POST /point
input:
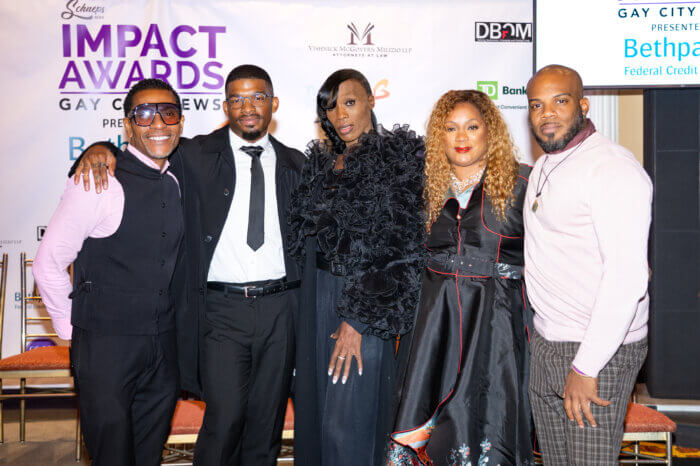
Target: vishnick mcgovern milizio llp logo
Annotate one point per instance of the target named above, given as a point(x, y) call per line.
point(83, 10)
point(502, 32)
point(360, 43)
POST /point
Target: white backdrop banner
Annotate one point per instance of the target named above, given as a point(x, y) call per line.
point(67, 65)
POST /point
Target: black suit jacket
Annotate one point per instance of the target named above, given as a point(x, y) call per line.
point(206, 170)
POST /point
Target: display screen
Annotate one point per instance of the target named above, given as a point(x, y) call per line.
point(621, 43)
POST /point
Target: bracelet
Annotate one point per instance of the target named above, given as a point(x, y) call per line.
point(575, 369)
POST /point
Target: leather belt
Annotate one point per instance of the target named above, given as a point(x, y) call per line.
point(334, 267)
point(469, 264)
point(254, 291)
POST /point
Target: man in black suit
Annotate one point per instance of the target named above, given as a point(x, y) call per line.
point(237, 284)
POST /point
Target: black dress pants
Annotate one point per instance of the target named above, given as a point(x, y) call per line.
point(246, 358)
point(127, 390)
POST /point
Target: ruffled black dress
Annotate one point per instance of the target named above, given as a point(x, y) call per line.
point(464, 398)
point(358, 234)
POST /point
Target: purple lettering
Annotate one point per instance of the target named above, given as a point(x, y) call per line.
point(123, 43)
point(181, 84)
point(212, 31)
point(160, 75)
point(173, 41)
point(65, 32)
point(218, 79)
point(71, 75)
point(104, 73)
point(135, 75)
point(153, 33)
point(103, 37)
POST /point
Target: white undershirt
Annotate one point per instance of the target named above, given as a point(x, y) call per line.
point(234, 261)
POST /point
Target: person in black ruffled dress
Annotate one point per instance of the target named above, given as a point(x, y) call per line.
point(357, 228)
point(463, 400)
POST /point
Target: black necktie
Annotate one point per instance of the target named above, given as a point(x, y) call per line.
point(256, 210)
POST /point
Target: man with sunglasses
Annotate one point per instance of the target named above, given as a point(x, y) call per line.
point(119, 312)
point(235, 336)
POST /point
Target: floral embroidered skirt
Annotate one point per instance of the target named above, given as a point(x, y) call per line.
point(464, 397)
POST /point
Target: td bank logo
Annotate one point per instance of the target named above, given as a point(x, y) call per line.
point(490, 88)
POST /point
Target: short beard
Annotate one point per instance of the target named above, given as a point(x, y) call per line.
point(556, 145)
point(252, 136)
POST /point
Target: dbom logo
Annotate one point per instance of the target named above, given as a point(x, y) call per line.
point(502, 32)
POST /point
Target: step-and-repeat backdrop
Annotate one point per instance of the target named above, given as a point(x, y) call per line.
point(67, 64)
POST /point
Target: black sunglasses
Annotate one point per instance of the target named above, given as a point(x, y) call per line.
point(145, 114)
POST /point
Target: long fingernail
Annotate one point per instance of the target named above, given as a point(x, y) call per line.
point(345, 379)
point(359, 371)
point(335, 379)
point(330, 371)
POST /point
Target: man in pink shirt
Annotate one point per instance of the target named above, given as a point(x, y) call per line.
point(119, 311)
point(587, 215)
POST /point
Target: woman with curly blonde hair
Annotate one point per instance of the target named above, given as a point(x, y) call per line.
point(464, 395)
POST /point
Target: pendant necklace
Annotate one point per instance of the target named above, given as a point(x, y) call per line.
point(459, 186)
point(540, 187)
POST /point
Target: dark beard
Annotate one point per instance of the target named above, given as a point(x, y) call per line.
point(252, 136)
point(550, 146)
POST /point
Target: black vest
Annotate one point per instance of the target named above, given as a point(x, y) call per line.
point(122, 282)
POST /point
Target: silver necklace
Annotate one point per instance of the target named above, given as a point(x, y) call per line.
point(459, 186)
point(540, 187)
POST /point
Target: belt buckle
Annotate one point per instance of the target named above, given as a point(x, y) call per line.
point(245, 291)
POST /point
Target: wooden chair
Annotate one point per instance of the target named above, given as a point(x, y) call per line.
point(187, 420)
point(43, 362)
point(646, 424)
point(287, 451)
point(184, 429)
point(643, 424)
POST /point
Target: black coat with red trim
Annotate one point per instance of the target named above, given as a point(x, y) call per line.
point(479, 229)
point(464, 395)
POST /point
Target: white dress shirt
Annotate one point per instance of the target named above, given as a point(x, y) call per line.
point(234, 261)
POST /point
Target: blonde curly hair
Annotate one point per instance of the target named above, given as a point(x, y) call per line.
point(501, 163)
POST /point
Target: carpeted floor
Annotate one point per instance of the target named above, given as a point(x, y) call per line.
point(51, 436)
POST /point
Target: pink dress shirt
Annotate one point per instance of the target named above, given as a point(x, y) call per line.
point(586, 249)
point(80, 214)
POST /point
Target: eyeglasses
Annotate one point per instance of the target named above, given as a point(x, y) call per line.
point(256, 100)
point(145, 114)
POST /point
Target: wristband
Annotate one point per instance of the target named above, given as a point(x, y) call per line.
point(580, 373)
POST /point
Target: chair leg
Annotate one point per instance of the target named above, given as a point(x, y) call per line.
point(669, 448)
point(78, 439)
point(2, 421)
point(22, 409)
point(636, 452)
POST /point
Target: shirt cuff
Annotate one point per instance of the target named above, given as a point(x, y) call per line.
point(587, 368)
point(64, 330)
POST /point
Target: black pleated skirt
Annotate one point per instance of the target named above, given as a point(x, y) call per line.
point(464, 397)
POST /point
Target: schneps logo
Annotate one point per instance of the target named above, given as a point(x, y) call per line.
point(76, 9)
point(355, 34)
point(490, 88)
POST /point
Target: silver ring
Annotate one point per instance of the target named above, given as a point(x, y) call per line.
point(341, 357)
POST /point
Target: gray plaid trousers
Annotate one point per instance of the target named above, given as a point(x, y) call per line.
point(562, 441)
